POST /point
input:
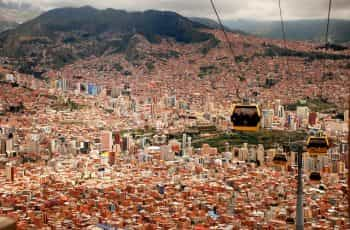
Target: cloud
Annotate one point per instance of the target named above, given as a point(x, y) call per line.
point(229, 9)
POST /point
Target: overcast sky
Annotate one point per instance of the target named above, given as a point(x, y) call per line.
point(229, 9)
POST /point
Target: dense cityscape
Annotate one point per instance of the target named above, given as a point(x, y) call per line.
point(144, 139)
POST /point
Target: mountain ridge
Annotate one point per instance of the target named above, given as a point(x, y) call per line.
point(303, 30)
point(62, 35)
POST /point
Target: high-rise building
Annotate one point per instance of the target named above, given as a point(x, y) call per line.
point(267, 118)
point(309, 164)
point(312, 118)
point(125, 143)
point(252, 157)
point(3, 146)
point(10, 172)
point(260, 154)
point(346, 115)
point(184, 139)
point(303, 115)
point(276, 107)
point(9, 145)
point(106, 141)
point(243, 152)
point(323, 162)
point(341, 167)
point(280, 111)
point(117, 138)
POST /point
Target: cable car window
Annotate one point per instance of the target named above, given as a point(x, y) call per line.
point(245, 116)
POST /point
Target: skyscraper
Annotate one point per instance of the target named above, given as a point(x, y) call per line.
point(267, 118)
point(2, 146)
point(10, 172)
point(303, 115)
point(184, 139)
point(260, 154)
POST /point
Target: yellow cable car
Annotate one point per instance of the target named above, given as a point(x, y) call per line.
point(246, 117)
point(280, 159)
point(317, 145)
point(315, 176)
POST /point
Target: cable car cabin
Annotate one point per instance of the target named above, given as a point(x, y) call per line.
point(315, 176)
point(317, 145)
point(280, 159)
point(246, 118)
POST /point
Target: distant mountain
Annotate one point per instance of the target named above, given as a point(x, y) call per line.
point(311, 30)
point(206, 21)
point(60, 36)
point(4, 25)
point(18, 12)
point(213, 24)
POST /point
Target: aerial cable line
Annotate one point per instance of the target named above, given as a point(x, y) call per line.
point(226, 38)
point(326, 37)
point(328, 20)
point(283, 33)
point(222, 27)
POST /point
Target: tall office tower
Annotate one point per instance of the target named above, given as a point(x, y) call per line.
point(9, 145)
point(303, 115)
point(189, 141)
point(10, 172)
point(346, 115)
point(341, 167)
point(252, 157)
point(184, 139)
point(106, 141)
point(335, 158)
point(323, 162)
point(281, 112)
point(267, 118)
point(276, 106)
point(243, 152)
point(312, 118)
point(125, 143)
point(3, 146)
point(309, 164)
point(260, 154)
